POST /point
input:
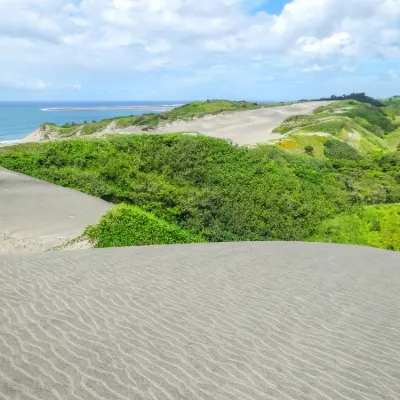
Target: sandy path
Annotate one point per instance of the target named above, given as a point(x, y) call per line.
point(239, 321)
point(35, 215)
point(244, 127)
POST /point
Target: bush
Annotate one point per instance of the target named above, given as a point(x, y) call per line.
point(309, 150)
point(127, 225)
point(376, 226)
point(209, 188)
point(340, 150)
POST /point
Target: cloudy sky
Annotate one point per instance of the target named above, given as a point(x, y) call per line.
point(195, 49)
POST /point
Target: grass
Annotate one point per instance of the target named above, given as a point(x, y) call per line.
point(392, 106)
point(375, 226)
point(90, 129)
point(126, 225)
point(60, 131)
point(208, 188)
point(365, 127)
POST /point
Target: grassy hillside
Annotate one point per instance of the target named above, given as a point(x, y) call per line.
point(209, 188)
point(376, 226)
point(392, 106)
point(150, 121)
point(364, 127)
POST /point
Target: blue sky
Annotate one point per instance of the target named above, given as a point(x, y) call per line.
point(186, 49)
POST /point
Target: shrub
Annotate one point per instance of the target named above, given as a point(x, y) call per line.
point(340, 150)
point(127, 225)
point(309, 150)
point(377, 226)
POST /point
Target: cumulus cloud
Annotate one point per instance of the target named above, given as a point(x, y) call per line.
point(193, 35)
point(318, 68)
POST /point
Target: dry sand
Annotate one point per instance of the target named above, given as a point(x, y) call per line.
point(244, 127)
point(239, 321)
point(36, 216)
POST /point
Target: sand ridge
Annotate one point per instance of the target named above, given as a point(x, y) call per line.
point(248, 127)
point(242, 127)
point(223, 321)
point(36, 216)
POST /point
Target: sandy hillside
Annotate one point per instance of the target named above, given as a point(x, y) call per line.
point(243, 127)
point(36, 215)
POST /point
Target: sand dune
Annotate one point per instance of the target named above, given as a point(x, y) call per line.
point(240, 321)
point(244, 127)
point(35, 215)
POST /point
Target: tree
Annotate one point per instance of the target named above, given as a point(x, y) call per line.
point(309, 150)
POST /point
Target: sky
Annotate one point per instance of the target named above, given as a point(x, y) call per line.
point(270, 50)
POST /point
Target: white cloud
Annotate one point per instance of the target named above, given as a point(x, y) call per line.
point(318, 68)
point(349, 68)
point(83, 35)
point(393, 75)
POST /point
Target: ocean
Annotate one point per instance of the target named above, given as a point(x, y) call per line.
point(19, 119)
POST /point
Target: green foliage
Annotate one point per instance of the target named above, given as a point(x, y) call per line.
point(309, 150)
point(203, 185)
point(360, 97)
point(376, 226)
point(209, 188)
point(90, 129)
point(340, 150)
point(66, 130)
point(334, 127)
point(370, 117)
point(392, 106)
point(126, 225)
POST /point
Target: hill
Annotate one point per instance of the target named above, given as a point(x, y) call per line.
point(347, 127)
point(147, 122)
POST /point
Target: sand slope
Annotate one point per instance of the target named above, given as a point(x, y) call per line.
point(244, 127)
point(239, 321)
point(35, 215)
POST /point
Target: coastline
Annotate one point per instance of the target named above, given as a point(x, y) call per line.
point(112, 108)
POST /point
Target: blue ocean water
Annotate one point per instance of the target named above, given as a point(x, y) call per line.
point(19, 119)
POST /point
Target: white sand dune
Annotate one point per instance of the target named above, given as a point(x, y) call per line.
point(242, 127)
point(238, 321)
point(36, 215)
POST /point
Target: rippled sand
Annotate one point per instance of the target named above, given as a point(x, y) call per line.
point(243, 321)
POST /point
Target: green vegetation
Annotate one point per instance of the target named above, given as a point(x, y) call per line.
point(375, 226)
point(208, 188)
point(392, 106)
point(360, 97)
point(66, 130)
point(128, 225)
point(340, 150)
point(365, 127)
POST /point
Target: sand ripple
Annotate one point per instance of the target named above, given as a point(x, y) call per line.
point(216, 321)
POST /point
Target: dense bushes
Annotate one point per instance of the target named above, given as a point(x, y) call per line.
point(208, 187)
point(361, 97)
point(340, 150)
point(377, 226)
point(127, 225)
point(201, 184)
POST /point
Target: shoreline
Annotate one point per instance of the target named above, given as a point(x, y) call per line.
point(112, 108)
